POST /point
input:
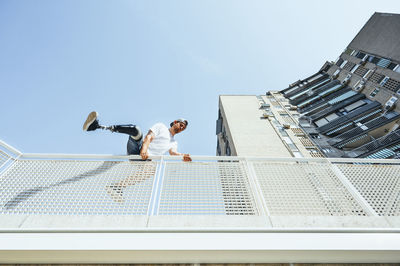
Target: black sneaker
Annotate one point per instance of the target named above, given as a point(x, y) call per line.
point(91, 122)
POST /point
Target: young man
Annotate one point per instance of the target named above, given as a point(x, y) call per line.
point(158, 140)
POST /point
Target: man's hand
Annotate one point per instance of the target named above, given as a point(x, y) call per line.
point(144, 155)
point(149, 138)
point(186, 158)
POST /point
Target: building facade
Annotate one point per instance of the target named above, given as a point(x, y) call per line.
point(347, 109)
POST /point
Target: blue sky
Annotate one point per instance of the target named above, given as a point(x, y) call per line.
point(144, 62)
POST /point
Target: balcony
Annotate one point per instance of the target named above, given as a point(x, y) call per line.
point(62, 208)
point(388, 143)
point(343, 123)
point(360, 133)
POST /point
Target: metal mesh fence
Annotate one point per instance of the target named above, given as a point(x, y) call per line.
point(218, 188)
point(3, 158)
point(116, 186)
point(378, 184)
point(77, 187)
point(308, 189)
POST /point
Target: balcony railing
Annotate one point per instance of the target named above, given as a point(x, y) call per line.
point(61, 184)
point(50, 193)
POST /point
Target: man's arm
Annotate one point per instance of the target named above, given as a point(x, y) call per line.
point(186, 157)
point(146, 142)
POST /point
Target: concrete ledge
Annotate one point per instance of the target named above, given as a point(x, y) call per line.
point(9, 221)
point(201, 221)
point(73, 222)
point(329, 221)
point(394, 221)
point(195, 222)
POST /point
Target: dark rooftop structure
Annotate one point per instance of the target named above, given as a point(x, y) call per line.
point(349, 107)
point(380, 36)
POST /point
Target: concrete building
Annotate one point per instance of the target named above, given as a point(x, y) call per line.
point(347, 109)
point(261, 126)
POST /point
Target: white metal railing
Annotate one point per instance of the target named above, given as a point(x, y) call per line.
point(64, 208)
point(98, 185)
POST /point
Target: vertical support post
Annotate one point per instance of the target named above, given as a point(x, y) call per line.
point(159, 186)
point(256, 189)
point(154, 190)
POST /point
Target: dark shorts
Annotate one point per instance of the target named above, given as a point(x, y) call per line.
point(133, 146)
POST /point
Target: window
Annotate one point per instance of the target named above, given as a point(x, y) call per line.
point(383, 62)
point(348, 51)
point(315, 136)
point(336, 73)
point(384, 81)
point(282, 131)
point(373, 59)
point(374, 92)
point(360, 55)
point(342, 65)
point(392, 66)
point(223, 133)
point(331, 117)
point(355, 105)
point(321, 122)
point(342, 97)
point(227, 149)
point(369, 58)
point(219, 126)
point(338, 61)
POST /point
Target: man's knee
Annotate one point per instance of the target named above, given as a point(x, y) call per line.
point(137, 133)
point(133, 146)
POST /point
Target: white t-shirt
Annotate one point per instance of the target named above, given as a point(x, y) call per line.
point(163, 140)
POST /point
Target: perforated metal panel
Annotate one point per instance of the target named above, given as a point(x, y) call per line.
point(297, 131)
point(206, 188)
point(378, 184)
point(77, 187)
point(392, 85)
point(315, 153)
point(304, 189)
point(376, 77)
point(306, 142)
point(348, 66)
point(38, 184)
point(361, 71)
